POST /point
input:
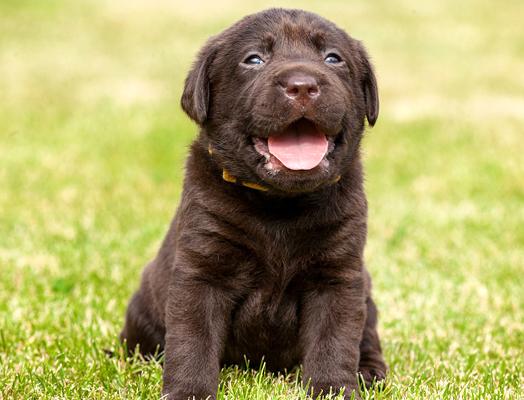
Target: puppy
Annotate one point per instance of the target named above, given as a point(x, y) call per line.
point(264, 257)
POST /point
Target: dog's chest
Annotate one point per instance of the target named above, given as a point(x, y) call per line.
point(270, 309)
point(266, 320)
point(266, 324)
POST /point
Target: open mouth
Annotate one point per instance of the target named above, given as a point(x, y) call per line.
point(301, 146)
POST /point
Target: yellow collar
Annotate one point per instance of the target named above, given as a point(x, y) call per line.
point(232, 179)
point(252, 185)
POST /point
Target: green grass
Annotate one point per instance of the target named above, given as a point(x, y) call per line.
point(92, 145)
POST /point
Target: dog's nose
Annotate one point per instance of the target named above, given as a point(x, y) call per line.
point(300, 87)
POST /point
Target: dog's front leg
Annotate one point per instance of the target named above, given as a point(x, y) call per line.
point(197, 319)
point(332, 323)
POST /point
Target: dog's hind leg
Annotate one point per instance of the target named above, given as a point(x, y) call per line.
point(140, 329)
point(371, 365)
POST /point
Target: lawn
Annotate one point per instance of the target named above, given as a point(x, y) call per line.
point(92, 146)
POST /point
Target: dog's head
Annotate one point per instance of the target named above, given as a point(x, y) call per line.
point(281, 97)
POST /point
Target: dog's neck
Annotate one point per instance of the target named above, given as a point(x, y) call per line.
point(233, 179)
point(226, 176)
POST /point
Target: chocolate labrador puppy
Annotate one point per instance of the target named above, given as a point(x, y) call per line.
point(264, 257)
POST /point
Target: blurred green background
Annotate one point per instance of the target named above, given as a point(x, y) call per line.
point(92, 146)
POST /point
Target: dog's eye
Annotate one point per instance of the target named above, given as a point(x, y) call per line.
point(254, 59)
point(332, 58)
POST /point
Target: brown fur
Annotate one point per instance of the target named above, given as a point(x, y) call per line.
point(276, 274)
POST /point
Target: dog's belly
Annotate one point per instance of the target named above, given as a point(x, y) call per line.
point(265, 326)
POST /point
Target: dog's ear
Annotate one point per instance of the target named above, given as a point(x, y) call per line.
point(197, 92)
point(369, 87)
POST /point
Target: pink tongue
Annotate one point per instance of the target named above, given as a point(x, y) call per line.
point(299, 147)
